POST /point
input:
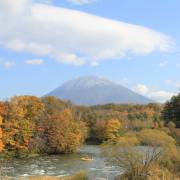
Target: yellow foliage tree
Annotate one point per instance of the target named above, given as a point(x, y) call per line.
point(112, 129)
point(26, 107)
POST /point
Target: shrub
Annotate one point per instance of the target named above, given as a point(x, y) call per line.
point(170, 160)
point(129, 138)
point(138, 162)
point(155, 137)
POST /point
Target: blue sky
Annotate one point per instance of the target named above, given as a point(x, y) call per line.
point(43, 45)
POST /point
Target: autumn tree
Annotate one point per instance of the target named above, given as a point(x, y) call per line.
point(53, 105)
point(63, 133)
point(113, 129)
point(26, 107)
point(34, 125)
point(100, 130)
point(19, 128)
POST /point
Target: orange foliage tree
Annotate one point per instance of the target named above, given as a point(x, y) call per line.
point(34, 125)
point(64, 134)
point(19, 128)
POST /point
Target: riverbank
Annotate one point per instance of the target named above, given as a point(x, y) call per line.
point(78, 176)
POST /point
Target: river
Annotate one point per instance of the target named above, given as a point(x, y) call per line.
point(62, 165)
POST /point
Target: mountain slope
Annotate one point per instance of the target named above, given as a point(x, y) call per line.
point(93, 90)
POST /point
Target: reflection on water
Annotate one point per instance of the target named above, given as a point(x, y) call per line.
point(62, 165)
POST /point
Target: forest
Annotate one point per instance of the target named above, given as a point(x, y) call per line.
point(36, 126)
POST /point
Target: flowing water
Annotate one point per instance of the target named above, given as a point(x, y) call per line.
point(62, 165)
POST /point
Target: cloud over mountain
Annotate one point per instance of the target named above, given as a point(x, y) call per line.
point(157, 95)
point(71, 36)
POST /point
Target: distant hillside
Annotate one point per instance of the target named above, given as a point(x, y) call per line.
point(92, 90)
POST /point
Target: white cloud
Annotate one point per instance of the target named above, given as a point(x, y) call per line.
point(161, 96)
point(7, 64)
point(34, 61)
point(142, 89)
point(70, 59)
point(173, 83)
point(163, 64)
point(157, 95)
point(81, 1)
point(16, 8)
point(94, 63)
point(45, 1)
point(71, 36)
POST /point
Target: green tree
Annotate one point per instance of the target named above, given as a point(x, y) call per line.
point(171, 111)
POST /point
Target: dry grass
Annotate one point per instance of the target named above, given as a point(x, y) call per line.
point(157, 173)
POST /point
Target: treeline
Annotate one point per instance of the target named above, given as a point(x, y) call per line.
point(32, 125)
point(132, 117)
